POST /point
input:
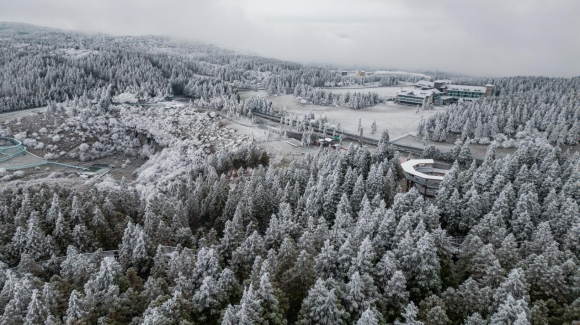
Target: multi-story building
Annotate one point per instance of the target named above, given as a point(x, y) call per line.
point(418, 97)
point(437, 84)
point(441, 85)
point(424, 84)
point(468, 92)
point(444, 92)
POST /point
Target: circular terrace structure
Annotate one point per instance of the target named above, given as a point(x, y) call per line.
point(425, 175)
point(10, 147)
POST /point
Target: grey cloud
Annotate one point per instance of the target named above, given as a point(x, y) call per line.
point(519, 37)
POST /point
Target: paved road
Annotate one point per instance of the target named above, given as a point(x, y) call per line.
point(404, 148)
point(10, 115)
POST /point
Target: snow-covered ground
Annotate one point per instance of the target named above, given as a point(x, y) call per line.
point(264, 134)
point(382, 91)
point(405, 73)
point(74, 53)
point(398, 119)
point(245, 94)
point(8, 116)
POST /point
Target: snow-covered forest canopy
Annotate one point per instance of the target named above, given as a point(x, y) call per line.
point(327, 240)
point(209, 232)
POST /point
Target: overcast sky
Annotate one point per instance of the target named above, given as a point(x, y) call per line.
point(491, 37)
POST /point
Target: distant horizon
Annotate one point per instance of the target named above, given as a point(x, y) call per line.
point(496, 38)
point(427, 72)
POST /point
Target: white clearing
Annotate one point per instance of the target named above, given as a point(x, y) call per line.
point(382, 91)
point(398, 119)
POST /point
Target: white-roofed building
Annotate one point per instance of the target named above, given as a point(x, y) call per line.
point(417, 96)
point(441, 84)
point(441, 92)
point(469, 92)
point(424, 84)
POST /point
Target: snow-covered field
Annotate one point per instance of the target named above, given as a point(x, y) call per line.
point(382, 91)
point(398, 119)
point(398, 72)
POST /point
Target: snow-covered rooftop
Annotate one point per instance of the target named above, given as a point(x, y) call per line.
point(466, 88)
point(424, 83)
point(418, 92)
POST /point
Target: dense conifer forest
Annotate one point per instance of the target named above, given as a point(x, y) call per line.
point(210, 232)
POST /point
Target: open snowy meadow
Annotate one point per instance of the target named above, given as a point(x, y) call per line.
point(387, 92)
point(399, 120)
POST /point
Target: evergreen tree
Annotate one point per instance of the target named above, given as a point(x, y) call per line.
point(270, 312)
point(514, 286)
point(410, 315)
point(395, 293)
point(509, 311)
point(321, 306)
point(76, 311)
point(437, 316)
point(207, 298)
point(369, 317)
point(37, 312)
point(364, 260)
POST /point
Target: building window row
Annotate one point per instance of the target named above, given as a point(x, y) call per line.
point(467, 94)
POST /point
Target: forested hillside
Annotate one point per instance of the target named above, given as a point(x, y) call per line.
point(38, 65)
point(210, 232)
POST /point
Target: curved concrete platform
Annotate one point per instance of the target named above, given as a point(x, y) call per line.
point(413, 168)
point(424, 174)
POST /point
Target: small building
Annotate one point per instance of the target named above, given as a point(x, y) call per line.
point(344, 73)
point(445, 92)
point(362, 73)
